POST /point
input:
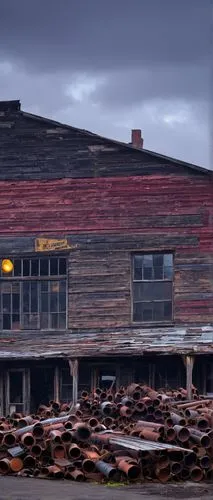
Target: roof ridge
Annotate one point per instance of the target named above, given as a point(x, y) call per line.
point(120, 143)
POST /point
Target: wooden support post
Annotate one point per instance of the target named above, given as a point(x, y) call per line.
point(56, 385)
point(189, 363)
point(73, 364)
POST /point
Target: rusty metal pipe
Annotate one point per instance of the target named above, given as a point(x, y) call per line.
point(81, 431)
point(74, 451)
point(182, 433)
point(163, 474)
point(108, 470)
point(205, 462)
point(28, 439)
point(196, 474)
point(132, 471)
point(88, 465)
point(77, 475)
point(29, 462)
point(177, 419)
point(66, 437)
point(9, 440)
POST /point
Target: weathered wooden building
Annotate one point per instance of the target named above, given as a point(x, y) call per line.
point(112, 251)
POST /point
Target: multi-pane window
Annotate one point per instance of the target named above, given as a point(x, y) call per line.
point(152, 287)
point(33, 296)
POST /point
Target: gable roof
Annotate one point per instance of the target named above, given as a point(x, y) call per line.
point(152, 154)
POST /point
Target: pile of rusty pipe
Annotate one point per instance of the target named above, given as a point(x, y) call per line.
point(133, 433)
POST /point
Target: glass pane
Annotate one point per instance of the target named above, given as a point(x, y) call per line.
point(62, 266)
point(147, 311)
point(54, 302)
point(17, 267)
point(33, 321)
point(26, 320)
point(158, 273)
point(54, 321)
point(62, 321)
point(15, 322)
point(6, 287)
point(34, 296)
point(147, 260)
point(168, 273)
point(152, 291)
point(34, 267)
point(54, 286)
point(26, 296)
point(44, 267)
point(158, 311)
point(44, 302)
point(62, 302)
point(26, 267)
point(54, 267)
point(168, 259)
point(158, 260)
point(44, 321)
point(6, 322)
point(167, 310)
point(6, 302)
point(137, 312)
point(62, 286)
point(15, 302)
point(138, 273)
point(44, 286)
point(147, 273)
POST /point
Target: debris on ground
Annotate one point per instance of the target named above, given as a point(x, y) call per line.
point(135, 434)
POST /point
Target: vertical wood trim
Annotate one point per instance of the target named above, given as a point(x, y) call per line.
point(118, 377)
point(189, 363)
point(7, 392)
point(1, 394)
point(27, 390)
point(73, 364)
point(56, 384)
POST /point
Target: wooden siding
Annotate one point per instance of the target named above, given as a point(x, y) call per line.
point(107, 220)
point(38, 148)
point(109, 201)
point(122, 204)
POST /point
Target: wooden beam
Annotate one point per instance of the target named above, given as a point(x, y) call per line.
point(189, 364)
point(56, 384)
point(73, 364)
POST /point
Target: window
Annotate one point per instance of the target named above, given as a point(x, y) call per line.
point(152, 287)
point(66, 388)
point(33, 296)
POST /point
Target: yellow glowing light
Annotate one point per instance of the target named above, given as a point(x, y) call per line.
point(7, 266)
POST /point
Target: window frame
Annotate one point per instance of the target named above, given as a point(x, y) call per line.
point(151, 252)
point(10, 278)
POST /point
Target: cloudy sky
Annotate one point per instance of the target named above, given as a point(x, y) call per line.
point(112, 65)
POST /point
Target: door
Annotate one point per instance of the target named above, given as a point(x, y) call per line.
point(17, 391)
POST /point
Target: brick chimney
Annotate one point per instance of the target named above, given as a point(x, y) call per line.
point(137, 139)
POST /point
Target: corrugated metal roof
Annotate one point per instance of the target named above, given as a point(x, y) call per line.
point(122, 342)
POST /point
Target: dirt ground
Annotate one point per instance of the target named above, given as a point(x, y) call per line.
point(12, 488)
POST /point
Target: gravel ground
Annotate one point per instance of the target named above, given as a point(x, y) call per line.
point(12, 488)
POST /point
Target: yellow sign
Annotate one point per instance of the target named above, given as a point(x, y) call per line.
point(46, 245)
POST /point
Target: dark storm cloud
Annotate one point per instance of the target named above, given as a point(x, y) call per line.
point(102, 35)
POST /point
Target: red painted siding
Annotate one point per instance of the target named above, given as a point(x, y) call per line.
point(114, 204)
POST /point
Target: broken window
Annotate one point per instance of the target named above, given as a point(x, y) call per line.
point(33, 296)
point(152, 287)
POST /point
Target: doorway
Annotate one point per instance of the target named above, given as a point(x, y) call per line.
point(42, 385)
